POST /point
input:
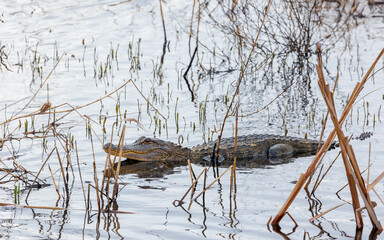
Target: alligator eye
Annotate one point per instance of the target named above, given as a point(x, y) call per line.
point(147, 140)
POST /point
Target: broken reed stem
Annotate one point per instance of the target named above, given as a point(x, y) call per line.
point(210, 185)
point(326, 145)
point(242, 73)
point(46, 160)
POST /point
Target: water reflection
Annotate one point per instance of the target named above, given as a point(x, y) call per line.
point(160, 169)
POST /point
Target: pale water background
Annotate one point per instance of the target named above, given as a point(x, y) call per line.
point(87, 32)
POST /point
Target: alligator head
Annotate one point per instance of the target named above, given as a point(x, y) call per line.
point(148, 149)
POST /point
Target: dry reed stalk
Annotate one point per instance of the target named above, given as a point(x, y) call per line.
point(63, 175)
point(293, 220)
point(9, 105)
point(95, 179)
point(68, 148)
point(17, 178)
point(63, 104)
point(326, 145)
point(320, 141)
point(351, 166)
point(180, 202)
point(317, 183)
point(376, 181)
point(46, 160)
point(116, 184)
point(194, 188)
point(162, 19)
point(377, 195)
point(242, 74)
point(191, 172)
point(210, 185)
point(318, 179)
point(41, 86)
point(191, 26)
point(165, 36)
point(108, 166)
point(328, 210)
point(369, 164)
point(233, 172)
point(81, 178)
point(54, 182)
point(88, 197)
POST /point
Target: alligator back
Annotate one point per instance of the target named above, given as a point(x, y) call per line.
point(257, 146)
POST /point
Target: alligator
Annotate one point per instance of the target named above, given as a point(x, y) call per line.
point(249, 148)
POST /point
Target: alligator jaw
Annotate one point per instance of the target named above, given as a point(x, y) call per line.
point(132, 151)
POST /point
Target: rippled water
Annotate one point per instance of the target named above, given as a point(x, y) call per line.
point(89, 33)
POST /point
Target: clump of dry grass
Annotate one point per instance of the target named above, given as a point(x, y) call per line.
point(355, 180)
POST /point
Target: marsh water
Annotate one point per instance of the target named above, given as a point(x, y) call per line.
point(100, 46)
